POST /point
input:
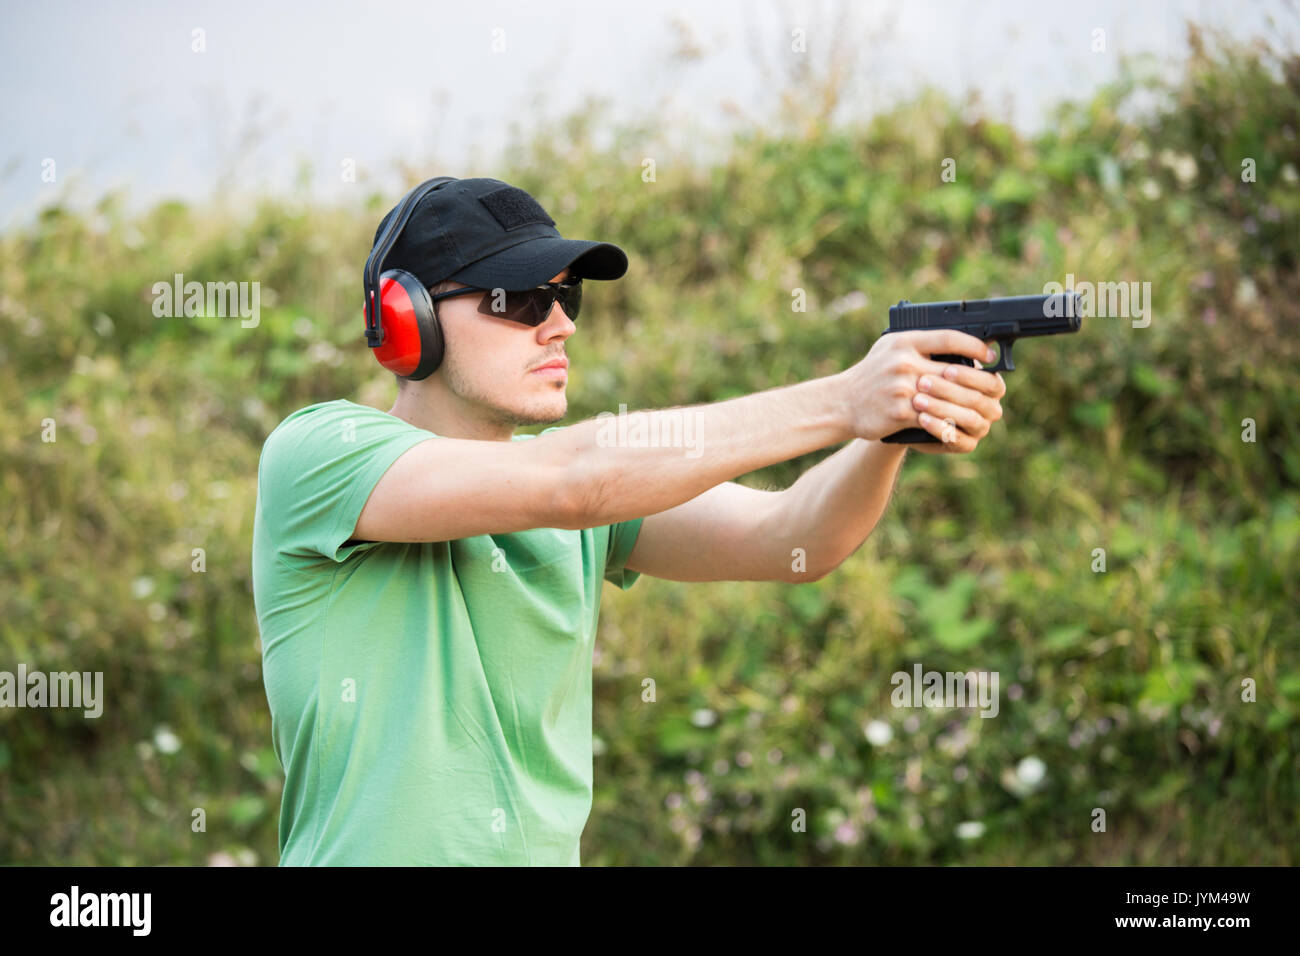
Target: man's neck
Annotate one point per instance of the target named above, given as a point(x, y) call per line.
point(448, 418)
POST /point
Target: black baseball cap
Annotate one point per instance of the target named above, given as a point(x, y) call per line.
point(487, 233)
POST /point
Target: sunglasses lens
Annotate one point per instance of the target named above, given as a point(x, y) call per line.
point(571, 300)
point(512, 305)
point(531, 306)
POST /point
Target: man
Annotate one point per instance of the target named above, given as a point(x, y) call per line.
point(427, 582)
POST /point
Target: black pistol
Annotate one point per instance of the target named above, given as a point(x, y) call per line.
point(1006, 319)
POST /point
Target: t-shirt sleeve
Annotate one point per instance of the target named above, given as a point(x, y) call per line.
point(622, 539)
point(317, 471)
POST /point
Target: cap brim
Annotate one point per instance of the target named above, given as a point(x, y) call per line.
point(536, 261)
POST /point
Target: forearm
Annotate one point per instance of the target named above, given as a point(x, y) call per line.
point(613, 472)
point(832, 508)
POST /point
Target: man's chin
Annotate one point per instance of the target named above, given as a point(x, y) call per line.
point(542, 413)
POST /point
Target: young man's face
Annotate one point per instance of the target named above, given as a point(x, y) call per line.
point(490, 363)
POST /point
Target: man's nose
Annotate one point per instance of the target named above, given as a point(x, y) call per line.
point(564, 325)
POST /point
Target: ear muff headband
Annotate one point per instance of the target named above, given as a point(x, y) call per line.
point(400, 322)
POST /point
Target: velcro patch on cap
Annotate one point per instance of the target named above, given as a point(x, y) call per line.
point(512, 207)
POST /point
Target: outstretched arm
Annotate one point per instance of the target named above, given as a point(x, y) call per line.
point(597, 472)
point(735, 533)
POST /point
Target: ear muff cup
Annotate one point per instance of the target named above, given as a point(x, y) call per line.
point(412, 338)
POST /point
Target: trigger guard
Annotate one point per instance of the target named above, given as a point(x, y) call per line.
point(1004, 357)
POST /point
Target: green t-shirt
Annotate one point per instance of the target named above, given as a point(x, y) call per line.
point(431, 701)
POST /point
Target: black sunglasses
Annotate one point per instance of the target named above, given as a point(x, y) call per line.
point(527, 306)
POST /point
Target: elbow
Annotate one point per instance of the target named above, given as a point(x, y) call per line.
point(566, 509)
point(805, 555)
point(559, 488)
point(816, 570)
point(821, 574)
point(818, 575)
point(575, 502)
point(809, 575)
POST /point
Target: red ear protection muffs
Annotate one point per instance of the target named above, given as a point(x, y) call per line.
point(400, 324)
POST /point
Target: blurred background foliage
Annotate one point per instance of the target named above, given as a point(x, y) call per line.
point(1120, 690)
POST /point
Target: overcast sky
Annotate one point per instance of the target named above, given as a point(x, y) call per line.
point(116, 94)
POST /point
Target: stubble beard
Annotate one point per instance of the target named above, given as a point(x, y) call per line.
point(468, 391)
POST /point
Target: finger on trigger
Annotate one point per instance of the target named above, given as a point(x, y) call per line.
point(975, 349)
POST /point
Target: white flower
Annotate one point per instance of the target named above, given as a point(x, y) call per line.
point(704, 717)
point(970, 830)
point(1031, 771)
point(1247, 293)
point(142, 587)
point(878, 733)
point(1183, 165)
point(166, 741)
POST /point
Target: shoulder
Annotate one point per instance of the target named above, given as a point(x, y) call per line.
point(314, 415)
point(329, 420)
point(328, 433)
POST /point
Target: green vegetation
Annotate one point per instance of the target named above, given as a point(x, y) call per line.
point(1126, 685)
